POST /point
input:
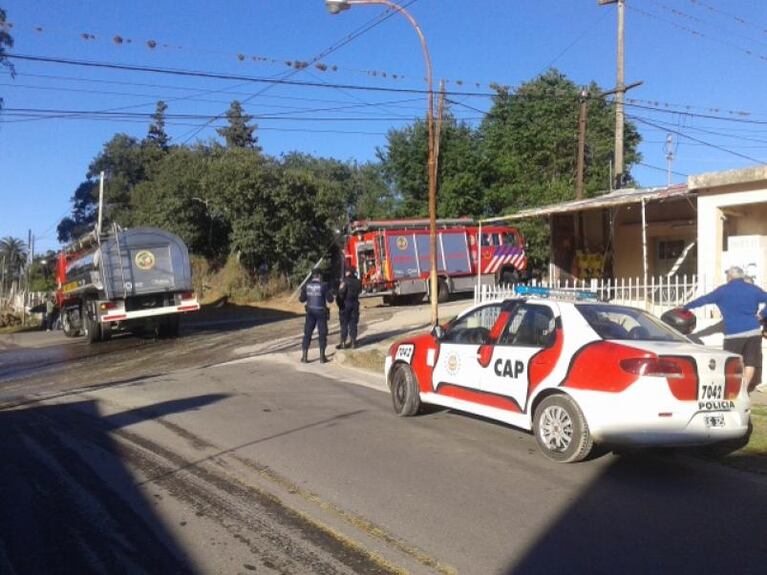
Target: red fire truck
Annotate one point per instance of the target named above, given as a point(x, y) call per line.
point(393, 257)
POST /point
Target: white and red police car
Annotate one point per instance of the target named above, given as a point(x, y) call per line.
point(576, 372)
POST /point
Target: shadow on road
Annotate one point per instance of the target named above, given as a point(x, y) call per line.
point(69, 502)
point(650, 514)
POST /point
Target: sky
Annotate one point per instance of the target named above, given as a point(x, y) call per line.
point(703, 65)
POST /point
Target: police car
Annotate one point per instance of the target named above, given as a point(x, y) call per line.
point(574, 371)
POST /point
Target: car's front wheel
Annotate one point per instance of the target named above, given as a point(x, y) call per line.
point(404, 391)
point(561, 430)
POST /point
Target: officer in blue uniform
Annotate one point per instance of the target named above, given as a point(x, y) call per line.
point(316, 295)
point(349, 308)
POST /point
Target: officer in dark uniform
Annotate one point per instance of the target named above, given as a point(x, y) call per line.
point(316, 295)
point(349, 307)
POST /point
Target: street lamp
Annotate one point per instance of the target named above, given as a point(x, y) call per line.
point(336, 6)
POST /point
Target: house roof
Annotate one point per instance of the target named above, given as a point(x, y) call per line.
point(610, 199)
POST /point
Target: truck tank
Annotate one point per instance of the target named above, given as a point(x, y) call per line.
point(131, 262)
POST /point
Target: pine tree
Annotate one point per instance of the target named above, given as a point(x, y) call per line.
point(239, 133)
point(156, 134)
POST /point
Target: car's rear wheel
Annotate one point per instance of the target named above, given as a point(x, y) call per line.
point(561, 430)
point(404, 391)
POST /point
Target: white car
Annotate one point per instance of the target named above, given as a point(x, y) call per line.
point(575, 373)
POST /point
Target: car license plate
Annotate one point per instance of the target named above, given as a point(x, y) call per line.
point(714, 420)
point(711, 392)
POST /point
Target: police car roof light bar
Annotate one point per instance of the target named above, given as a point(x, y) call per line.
point(556, 293)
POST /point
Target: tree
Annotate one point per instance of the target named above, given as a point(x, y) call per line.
point(84, 212)
point(156, 134)
point(13, 254)
point(174, 199)
point(459, 179)
point(529, 141)
point(374, 198)
point(239, 133)
point(126, 163)
point(529, 144)
point(6, 41)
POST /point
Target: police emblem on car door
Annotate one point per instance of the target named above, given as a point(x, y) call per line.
point(457, 364)
point(530, 329)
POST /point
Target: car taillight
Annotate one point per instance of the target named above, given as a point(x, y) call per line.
point(680, 373)
point(187, 295)
point(652, 367)
point(107, 305)
point(733, 377)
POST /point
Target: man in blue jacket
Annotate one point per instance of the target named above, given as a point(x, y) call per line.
point(316, 295)
point(739, 302)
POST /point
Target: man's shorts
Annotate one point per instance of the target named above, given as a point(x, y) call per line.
point(749, 347)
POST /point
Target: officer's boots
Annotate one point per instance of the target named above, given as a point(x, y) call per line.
point(323, 357)
point(353, 344)
point(341, 345)
point(304, 352)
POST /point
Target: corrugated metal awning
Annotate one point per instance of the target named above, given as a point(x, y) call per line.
point(611, 199)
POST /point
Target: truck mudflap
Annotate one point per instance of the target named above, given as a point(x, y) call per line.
point(113, 311)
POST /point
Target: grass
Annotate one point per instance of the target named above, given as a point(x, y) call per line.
point(372, 359)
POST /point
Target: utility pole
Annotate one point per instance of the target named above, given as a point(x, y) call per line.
point(25, 295)
point(581, 147)
point(619, 94)
point(582, 123)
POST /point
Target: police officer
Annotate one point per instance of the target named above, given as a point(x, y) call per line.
point(316, 295)
point(349, 307)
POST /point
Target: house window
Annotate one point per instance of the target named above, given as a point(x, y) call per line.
point(670, 249)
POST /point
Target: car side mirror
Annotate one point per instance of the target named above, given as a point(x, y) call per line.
point(438, 332)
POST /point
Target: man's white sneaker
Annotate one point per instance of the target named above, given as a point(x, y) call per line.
point(762, 388)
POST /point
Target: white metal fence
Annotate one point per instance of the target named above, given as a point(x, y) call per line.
point(658, 295)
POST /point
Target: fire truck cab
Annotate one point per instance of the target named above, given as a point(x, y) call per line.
point(393, 257)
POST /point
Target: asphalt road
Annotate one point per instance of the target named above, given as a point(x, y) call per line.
point(261, 465)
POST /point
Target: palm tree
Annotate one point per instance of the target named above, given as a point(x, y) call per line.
point(13, 254)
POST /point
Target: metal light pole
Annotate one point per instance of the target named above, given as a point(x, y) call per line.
point(336, 6)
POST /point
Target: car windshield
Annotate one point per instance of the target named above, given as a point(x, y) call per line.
point(626, 323)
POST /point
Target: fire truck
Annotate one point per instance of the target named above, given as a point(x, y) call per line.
point(393, 257)
point(129, 279)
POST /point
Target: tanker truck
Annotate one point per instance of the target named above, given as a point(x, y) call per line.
point(125, 280)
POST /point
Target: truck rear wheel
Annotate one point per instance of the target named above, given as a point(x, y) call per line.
point(92, 328)
point(66, 325)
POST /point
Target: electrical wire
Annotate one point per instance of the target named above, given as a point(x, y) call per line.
point(687, 136)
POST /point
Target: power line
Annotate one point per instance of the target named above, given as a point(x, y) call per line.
point(689, 17)
point(239, 77)
point(736, 18)
point(338, 86)
point(664, 170)
point(687, 136)
point(169, 87)
point(145, 115)
point(373, 22)
point(698, 33)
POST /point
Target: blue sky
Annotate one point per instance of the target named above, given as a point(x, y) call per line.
point(692, 55)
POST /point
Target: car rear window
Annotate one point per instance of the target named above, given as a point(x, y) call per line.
point(626, 323)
